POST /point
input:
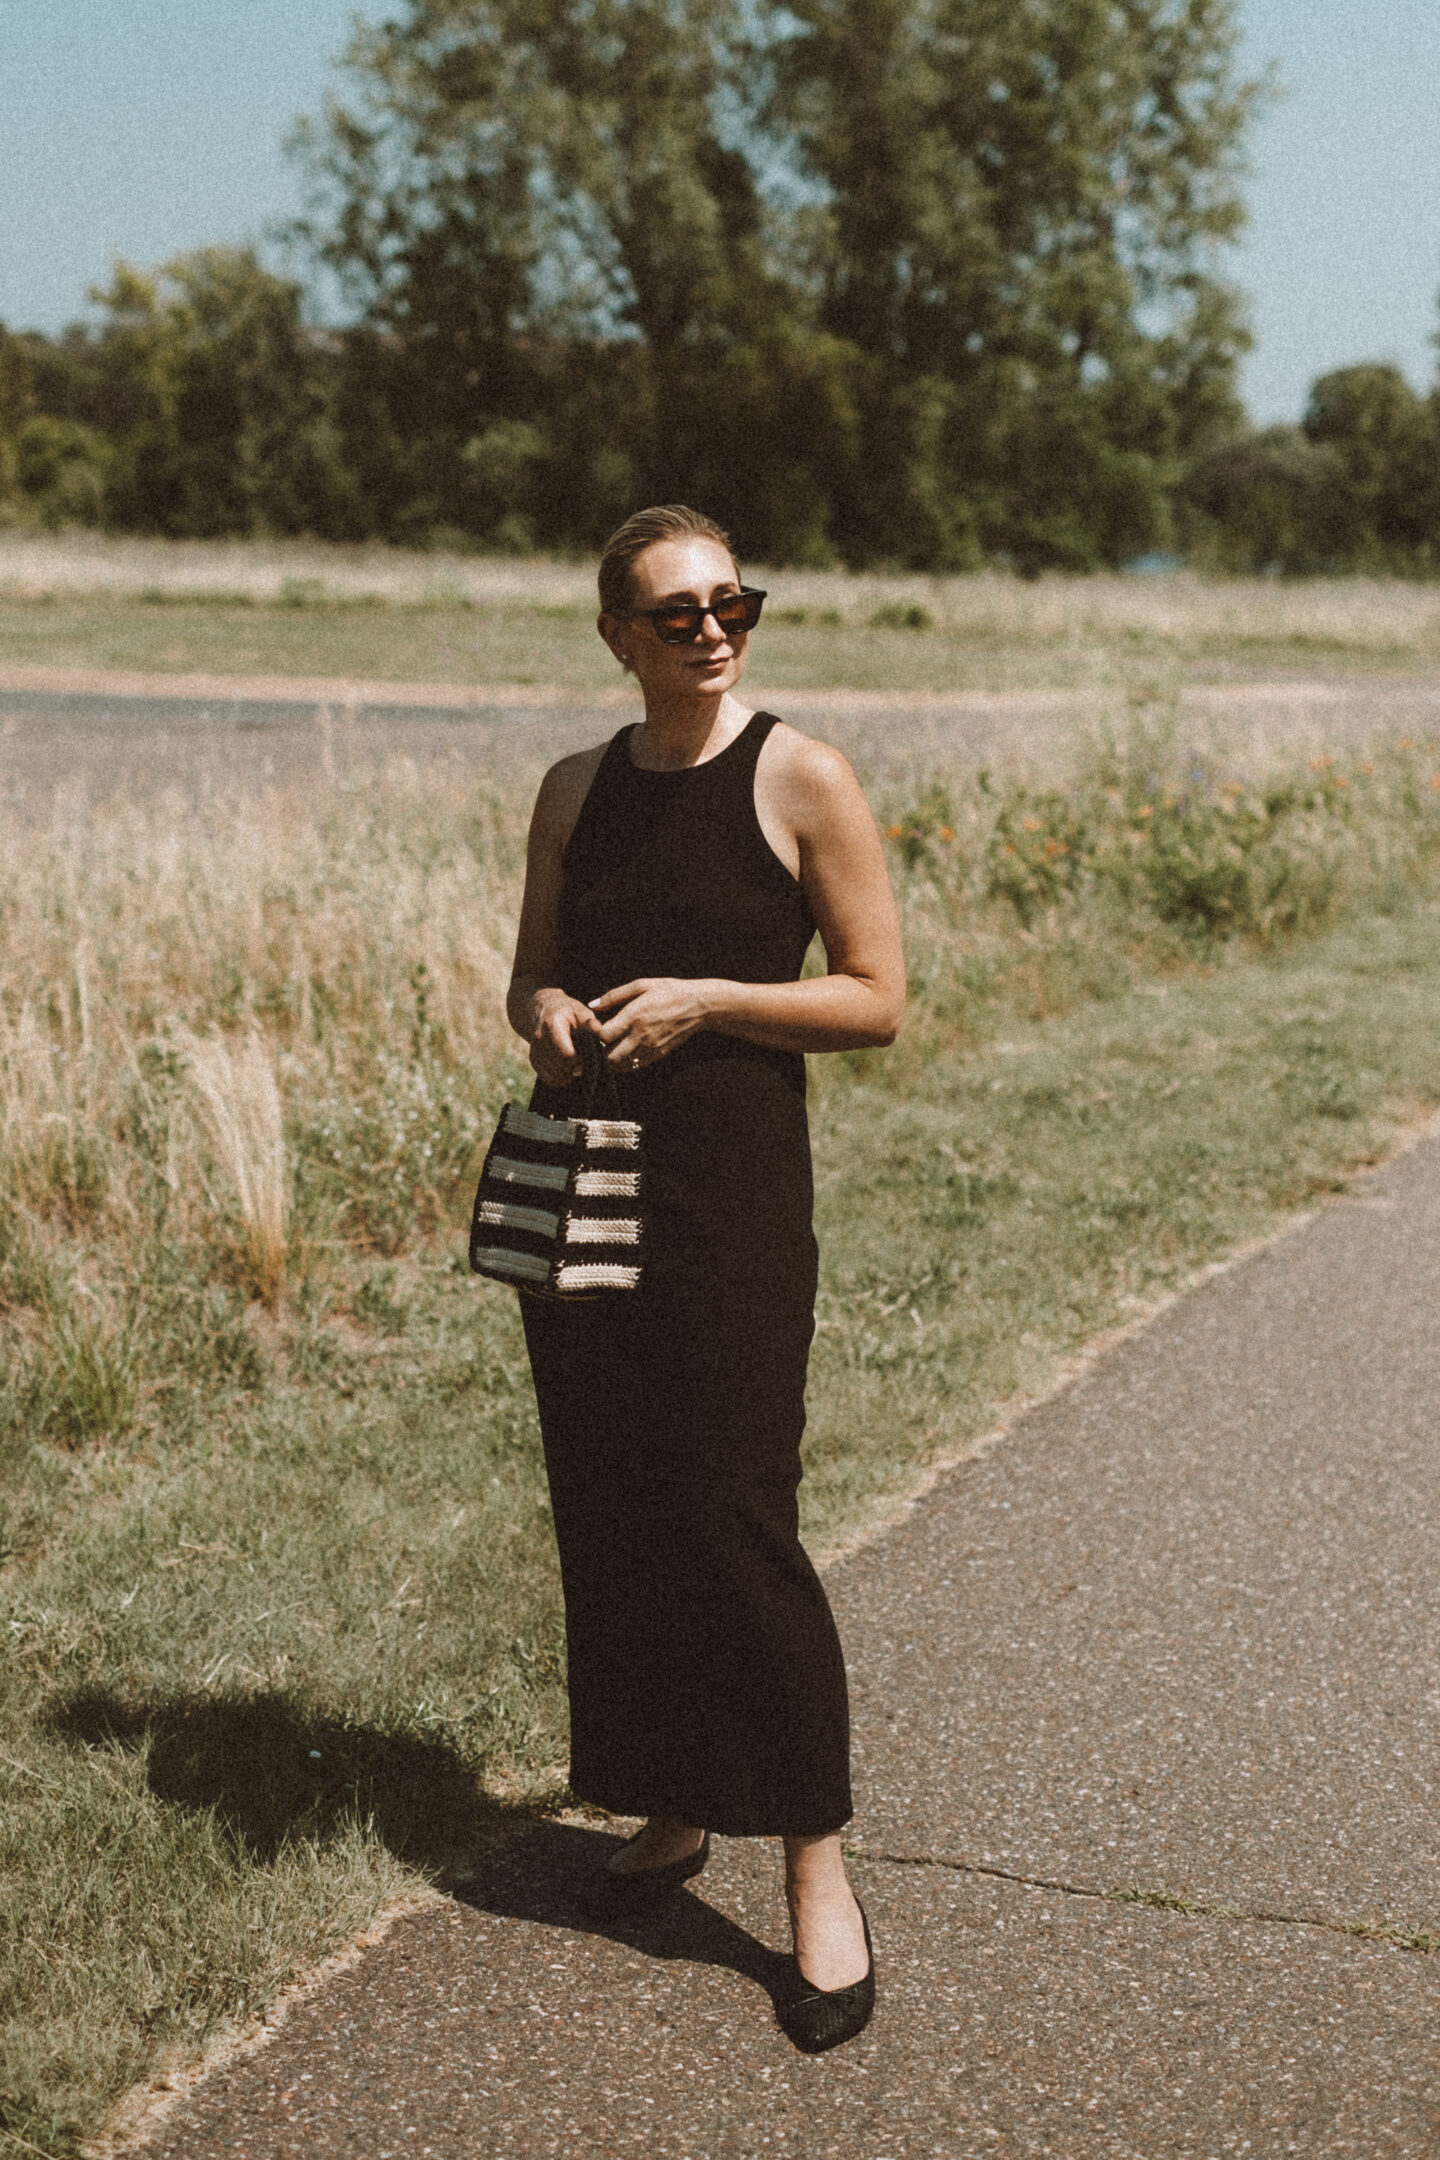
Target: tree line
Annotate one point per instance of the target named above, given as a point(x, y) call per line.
point(932, 283)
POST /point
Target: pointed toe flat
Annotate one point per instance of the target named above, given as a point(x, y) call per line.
point(817, 2019)
point(645, 1888)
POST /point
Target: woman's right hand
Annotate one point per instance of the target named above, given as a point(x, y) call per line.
point(556, 1019)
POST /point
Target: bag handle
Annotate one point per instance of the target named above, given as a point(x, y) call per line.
point(599, 1075)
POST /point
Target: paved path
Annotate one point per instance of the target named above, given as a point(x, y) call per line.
point(134, 733)
point(1175, 1639)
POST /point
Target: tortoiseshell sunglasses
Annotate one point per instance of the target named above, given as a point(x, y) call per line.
point(678, 621)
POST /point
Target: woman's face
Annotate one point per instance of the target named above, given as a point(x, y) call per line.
point(696, 570)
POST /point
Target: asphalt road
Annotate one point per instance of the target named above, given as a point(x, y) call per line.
point(133, 736)
point(1149, 1755)
point(140, 747)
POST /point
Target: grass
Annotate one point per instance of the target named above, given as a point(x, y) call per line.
point(302, 609)
point(493, 643)
point(280, 1588)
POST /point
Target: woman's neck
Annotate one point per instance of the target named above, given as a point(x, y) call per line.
point(687, 731)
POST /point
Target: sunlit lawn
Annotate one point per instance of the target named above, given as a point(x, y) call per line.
point(305, 610)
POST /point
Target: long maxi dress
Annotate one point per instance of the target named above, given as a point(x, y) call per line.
point(706, 1676)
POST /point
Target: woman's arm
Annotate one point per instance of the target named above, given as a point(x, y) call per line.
point(818, 822)
point(543, 1014)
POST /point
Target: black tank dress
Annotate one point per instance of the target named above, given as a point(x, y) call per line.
point(706, 1678)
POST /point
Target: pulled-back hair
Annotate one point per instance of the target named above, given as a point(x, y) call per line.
point(667, 521)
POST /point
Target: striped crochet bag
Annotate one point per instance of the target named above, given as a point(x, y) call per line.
point(558, 1211)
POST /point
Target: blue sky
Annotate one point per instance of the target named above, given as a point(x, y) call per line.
point(143, 127)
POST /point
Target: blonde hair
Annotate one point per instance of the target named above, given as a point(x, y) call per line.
point(667, 521)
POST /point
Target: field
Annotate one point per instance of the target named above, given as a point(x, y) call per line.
point(296, 610)
point(279, 1581)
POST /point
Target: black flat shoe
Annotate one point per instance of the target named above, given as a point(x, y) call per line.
point(817, 2019)
point(647, 1887)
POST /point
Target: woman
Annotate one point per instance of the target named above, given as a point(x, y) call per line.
point(675, 878)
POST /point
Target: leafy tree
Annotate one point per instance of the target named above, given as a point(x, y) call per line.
point(1356, 487)
point(919, 279)
point(1022, 204)
point(62, 471)
point(220, 401)
point(1268, 501)
point(16, 401)
point(515, 187)
point(1386, 508)
point(926, 281)
point(53, 468)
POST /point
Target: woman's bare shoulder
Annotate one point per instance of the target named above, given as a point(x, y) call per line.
point(804, 766)
point(563, 791)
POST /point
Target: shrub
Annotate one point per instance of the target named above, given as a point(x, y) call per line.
point(902, 615)
point(62, 469)
point(1025, 899)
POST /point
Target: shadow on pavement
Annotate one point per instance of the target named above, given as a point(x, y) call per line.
point(274, 1773)
point(550, 1873)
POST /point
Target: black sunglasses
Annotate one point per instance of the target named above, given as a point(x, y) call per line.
point(678, 621)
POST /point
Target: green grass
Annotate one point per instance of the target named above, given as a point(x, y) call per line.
point(800, 647)
point(280, 1596)
point(495, 644)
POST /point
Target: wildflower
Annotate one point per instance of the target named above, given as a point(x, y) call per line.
point(1031, 824)
point(1435, 780)
point(895, 832)
point(1056, 847)
point(947, 832)
point(1318, 764)
point(1146, 810)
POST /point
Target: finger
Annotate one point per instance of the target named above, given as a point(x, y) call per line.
point(575, 1027)
point(620, 1023)
point(620, 996)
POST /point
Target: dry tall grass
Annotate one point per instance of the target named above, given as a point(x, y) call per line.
point(225, 1026)
point(242, 1041)
point(245, 1123)
point(1359, 614)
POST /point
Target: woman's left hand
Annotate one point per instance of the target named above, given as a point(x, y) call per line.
point(644, 1020)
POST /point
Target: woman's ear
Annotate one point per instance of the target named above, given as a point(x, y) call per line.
point(611, 629)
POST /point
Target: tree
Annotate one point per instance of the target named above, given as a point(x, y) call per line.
point(919, 279)
point(17, 397)
point(1386, 509)
point(1023, 203)
point(1268, 501)
point(531, 198)
point(220, 399)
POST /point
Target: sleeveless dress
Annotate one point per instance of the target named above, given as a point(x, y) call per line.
point(705, 1672)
